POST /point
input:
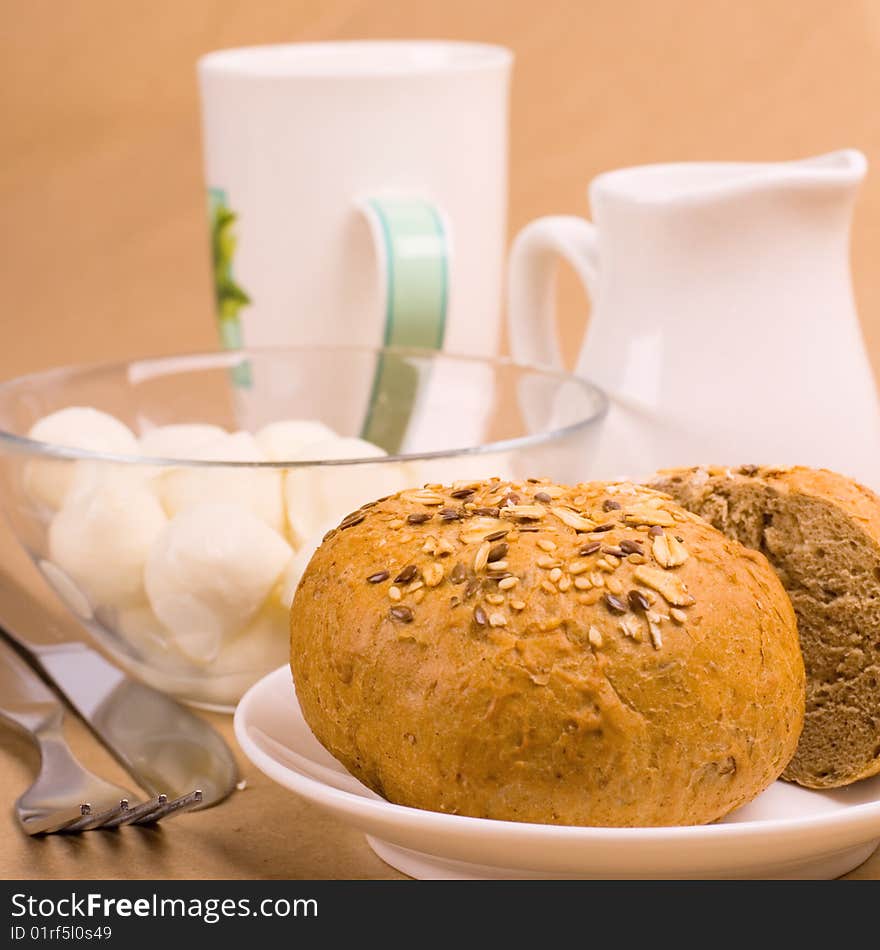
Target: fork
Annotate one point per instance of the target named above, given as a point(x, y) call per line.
point(66, 796)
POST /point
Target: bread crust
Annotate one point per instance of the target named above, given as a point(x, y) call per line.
point(821, 531)
point(540, 699)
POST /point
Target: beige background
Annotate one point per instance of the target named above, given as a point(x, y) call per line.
point(104, 246)
point(105, 254)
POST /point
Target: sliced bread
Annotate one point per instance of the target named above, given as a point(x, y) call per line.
point(821, 533)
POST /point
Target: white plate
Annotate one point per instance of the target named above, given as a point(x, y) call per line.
point(787, 832)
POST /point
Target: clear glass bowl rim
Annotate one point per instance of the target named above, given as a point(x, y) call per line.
point(19, 444)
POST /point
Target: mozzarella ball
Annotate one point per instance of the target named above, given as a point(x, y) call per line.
point(208, 573)
point(320, 494)
point(260, 492)
point(178, 441)
point(262, 646)
point(298, 563)
point(46, 481)
point(101, 539)
point(142, 630)
point(282, 441)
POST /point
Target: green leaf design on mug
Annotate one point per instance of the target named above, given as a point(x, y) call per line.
point(229, 296)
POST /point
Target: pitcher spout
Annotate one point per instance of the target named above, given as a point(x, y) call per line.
point(698, 182)
point(847, 166)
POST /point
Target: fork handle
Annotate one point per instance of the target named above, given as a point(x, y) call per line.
point(25, 699)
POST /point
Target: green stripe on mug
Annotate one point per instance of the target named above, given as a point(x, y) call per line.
point(411, 235)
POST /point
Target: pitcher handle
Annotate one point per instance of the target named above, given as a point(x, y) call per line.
point(531, 283)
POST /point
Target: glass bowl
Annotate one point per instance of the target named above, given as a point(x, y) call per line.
point(175, 509)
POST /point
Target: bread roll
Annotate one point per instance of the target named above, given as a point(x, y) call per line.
point(588, 655)
point(821, 533)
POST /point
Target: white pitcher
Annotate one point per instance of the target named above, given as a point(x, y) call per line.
point(723, 324)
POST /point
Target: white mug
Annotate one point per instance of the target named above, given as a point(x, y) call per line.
point(358, 192)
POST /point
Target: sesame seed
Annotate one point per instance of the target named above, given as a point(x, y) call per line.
point(499, 565)
point(497, 620)
point(546, 562)
point(495, 599)
point(578, 566)
point(433, 574)
point(518, 604)
point(582, 583)
point(401, 613)
point(555, 574)
point(548, 587)
point(419, 596)
point(545, 544)
point(378, 577)
point(507, 582)
point(396, 523)
point(564, 583)
point(612, 560)
point(679, 616)
point(589, 598)
point(614, 585)
point(394, 593)
point(637, 559)
point(595, 637)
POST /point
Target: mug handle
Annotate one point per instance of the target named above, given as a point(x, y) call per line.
point(531, 283)
point(413, 253)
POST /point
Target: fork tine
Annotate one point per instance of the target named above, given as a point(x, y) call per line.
point(137, 812)
point(175, 806)
point(97, 820)
point(55, 820)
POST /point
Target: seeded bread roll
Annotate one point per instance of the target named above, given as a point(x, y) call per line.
point(821, 532)
point(588, 655)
